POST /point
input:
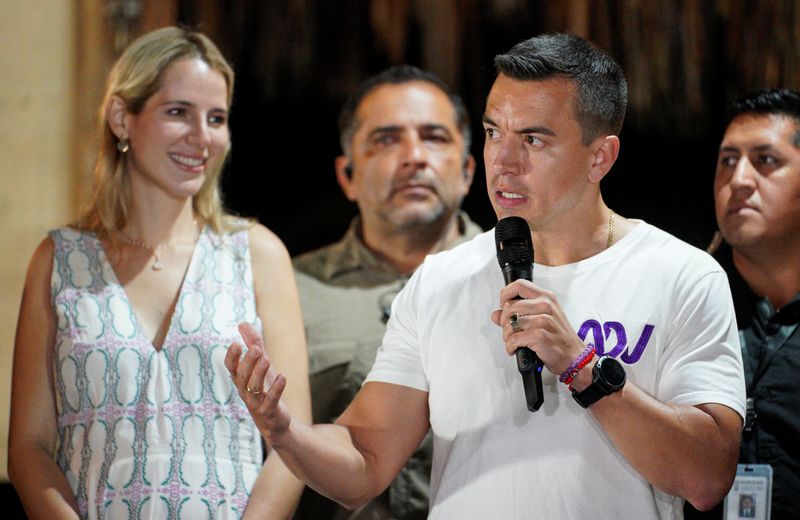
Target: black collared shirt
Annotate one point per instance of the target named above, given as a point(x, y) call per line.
point(771, 356)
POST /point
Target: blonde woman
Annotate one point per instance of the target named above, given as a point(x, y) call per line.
point(121, 405)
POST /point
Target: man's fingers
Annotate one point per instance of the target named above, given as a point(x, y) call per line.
point(274, 393)
point(251, 336)
point(518, 289)
point(246, 366)
point(255, 383)
point(232, 358)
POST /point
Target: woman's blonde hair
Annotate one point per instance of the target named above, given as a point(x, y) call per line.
point(135, 77)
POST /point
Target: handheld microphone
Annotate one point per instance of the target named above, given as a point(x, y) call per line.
point(512, 237)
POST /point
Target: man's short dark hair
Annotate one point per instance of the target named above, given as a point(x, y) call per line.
point(398, 75)
point(602, 95)
point(781, 101)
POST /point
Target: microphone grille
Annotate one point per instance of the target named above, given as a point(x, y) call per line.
point(512, 237)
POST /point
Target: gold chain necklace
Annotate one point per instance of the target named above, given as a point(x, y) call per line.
point(610, 229)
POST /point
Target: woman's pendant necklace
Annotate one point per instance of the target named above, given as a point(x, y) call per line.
point(157, 265)
point(155, 250)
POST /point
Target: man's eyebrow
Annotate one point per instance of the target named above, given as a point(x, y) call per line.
point(536, 130)
point(428, 127)
point(384, 130)
point(542, 130)
point(394, 129)
point(763, 148)
point(757, 148)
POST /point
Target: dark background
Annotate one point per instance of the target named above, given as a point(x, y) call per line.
point(296, 61)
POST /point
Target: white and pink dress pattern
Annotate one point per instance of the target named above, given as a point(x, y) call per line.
point(146, 433)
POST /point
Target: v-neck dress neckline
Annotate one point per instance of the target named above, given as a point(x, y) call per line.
point(114, 279)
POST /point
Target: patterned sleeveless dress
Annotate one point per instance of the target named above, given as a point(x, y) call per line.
point(146, 433)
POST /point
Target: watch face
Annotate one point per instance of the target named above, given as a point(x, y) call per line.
point(612, 371)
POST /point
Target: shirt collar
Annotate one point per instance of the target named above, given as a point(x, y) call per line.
point(354, 255)
point(751, 307)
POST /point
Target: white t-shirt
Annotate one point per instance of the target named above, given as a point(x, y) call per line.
point(660, 306)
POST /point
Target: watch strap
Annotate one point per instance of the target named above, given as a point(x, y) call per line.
point(590, 395)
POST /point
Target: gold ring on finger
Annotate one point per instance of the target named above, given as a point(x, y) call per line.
point(514, 322)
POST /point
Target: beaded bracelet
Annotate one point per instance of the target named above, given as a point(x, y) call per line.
point(569, 380)
point(572, 371)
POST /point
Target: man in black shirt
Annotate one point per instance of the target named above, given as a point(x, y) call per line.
point(757, 199)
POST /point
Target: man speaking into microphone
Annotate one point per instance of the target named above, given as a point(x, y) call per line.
point(642, 389)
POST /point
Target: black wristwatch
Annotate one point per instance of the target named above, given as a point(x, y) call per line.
point(608, 376)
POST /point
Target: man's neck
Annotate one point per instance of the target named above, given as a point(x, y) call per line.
point(565, 240)
point(771, 274)
point(405, 249)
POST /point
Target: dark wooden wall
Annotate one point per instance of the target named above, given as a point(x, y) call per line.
point(296, 61)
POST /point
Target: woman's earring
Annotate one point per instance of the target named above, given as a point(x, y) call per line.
point(123, 145)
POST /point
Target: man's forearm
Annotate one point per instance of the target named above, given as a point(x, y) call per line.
point(682, 450)
point(324, 457)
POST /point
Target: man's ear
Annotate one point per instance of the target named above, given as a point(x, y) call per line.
point(116, 116)
point(468, 173)
point(604, 156)
point(344, 176)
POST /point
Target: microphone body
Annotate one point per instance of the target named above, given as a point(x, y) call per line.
point(515, 256)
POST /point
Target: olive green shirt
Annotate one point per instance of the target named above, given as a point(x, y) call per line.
point(346, 293)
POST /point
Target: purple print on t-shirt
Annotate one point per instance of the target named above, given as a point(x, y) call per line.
point(601, 333)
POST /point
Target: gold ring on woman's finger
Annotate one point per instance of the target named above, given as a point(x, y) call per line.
point(254, 392)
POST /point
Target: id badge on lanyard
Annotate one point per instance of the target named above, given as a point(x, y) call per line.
point(751, 494)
